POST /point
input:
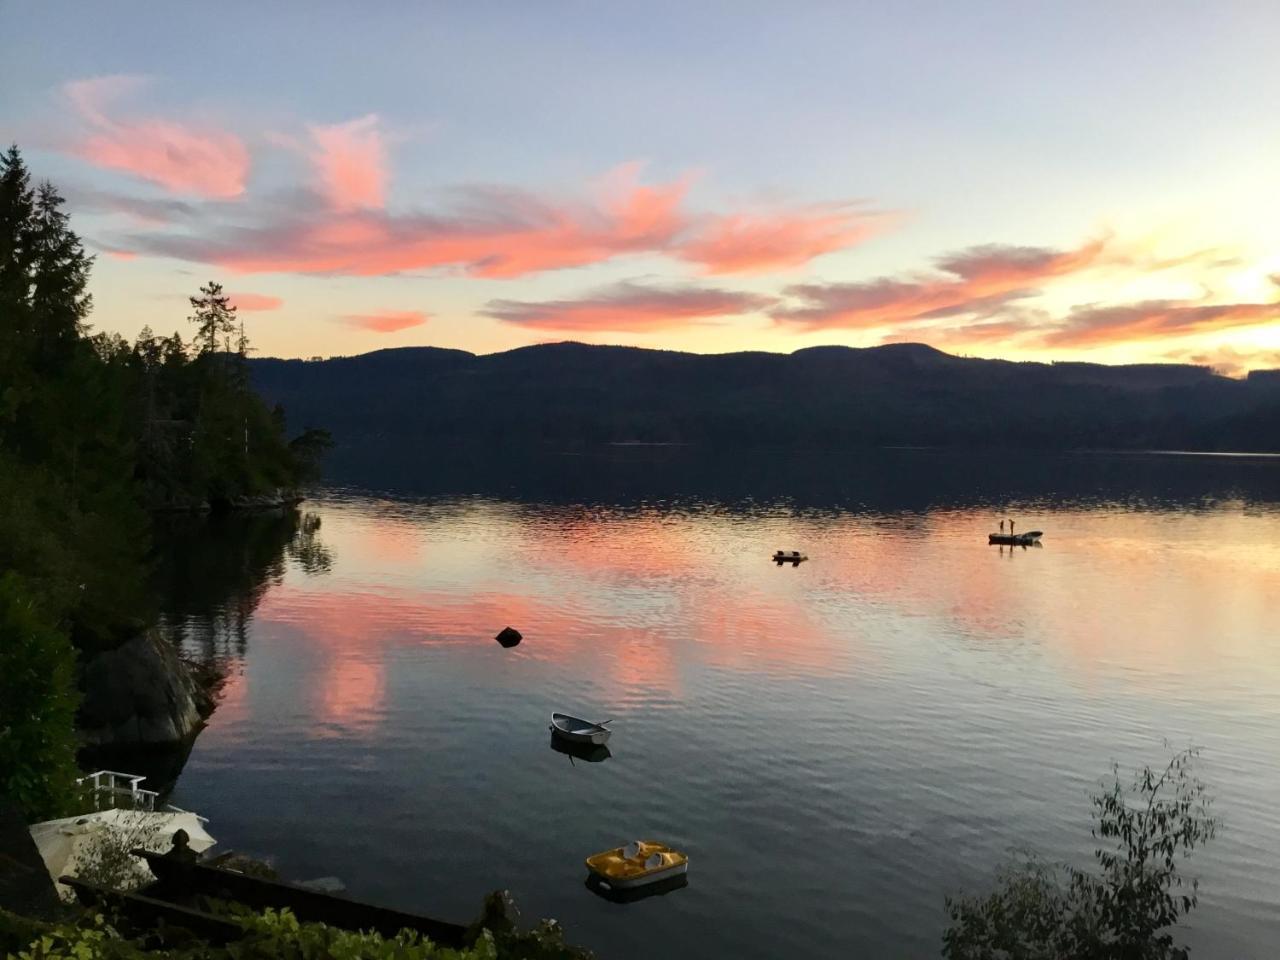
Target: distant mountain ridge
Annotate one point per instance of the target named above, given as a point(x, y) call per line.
point(897, 394)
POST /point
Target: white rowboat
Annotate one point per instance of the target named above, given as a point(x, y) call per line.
point(577, 730)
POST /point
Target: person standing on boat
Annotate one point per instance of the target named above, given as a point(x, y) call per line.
point(1002, 528)
point(1011, 527)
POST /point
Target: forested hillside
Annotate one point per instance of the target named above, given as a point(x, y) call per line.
point(903, 394)
point(95, 433)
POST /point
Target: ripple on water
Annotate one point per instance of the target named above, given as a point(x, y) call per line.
point(838, 746)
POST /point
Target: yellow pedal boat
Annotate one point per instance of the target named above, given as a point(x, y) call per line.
point(638, 863)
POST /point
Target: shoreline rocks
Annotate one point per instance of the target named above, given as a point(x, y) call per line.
point(140, 693)
point(278, 499)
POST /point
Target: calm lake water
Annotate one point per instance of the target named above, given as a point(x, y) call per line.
point(837, 746)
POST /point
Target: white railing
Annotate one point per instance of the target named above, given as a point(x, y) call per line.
point(113, 785)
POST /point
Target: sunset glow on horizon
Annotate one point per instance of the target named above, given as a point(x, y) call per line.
point(1088, 183)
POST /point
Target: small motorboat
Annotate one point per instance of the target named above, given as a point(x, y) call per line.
point(638, 864)
point(788, 556)
point(1016, 539)
point(577, 730)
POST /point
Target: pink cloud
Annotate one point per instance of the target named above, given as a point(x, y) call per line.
point(493, 233)
point(1154, 319)
point(628, 307)
point(178, 157)
point(255, 301)
point(386, 321)
point(977, 280)
point(498, 232)
point(121, 254)
point(784, 240)
point(351, 163)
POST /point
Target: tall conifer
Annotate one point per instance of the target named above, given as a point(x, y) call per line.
point(214, 317)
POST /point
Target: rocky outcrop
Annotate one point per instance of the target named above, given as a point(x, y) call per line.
point(265, 501)
point(140, 693)
point(277, 499)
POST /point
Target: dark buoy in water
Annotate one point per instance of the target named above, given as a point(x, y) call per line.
point(509, 637)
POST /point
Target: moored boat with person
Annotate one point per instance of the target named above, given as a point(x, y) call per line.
point(1016, 539)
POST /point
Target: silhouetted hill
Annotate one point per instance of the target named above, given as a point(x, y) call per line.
point(899, 394)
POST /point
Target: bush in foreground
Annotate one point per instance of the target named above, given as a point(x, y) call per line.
point(274, 934)
point(1124, 910)
point(37, 706)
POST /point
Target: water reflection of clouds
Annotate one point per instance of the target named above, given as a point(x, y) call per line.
point(1147, 594)
point(634, 599)
point(350, 696)
point(352, 635)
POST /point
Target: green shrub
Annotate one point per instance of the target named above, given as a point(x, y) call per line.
point(107, 859)
point(270, 936)
point(1040, 911)
point(275, 933)
point(17, 931)
point(38, 702)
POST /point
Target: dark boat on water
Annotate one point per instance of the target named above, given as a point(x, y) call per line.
point(1027, 539)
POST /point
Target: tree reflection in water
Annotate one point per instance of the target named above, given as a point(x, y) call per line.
point(212, 572)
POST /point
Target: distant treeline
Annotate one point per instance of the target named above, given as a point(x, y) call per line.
point(94, 433)
point(833, 397)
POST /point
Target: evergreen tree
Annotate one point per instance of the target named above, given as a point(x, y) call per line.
point(60, 274)
point(214, 317)
point(17, 207)
point(94, 430)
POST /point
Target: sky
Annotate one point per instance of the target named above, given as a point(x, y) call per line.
point(1084, 181)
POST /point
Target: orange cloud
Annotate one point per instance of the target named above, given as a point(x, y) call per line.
point(178, 157)
point(351, 165)
point(628, 306)
point(1153, 319)
point(966, 335)
point(979, 280)
point(387, 321)
point(121, 254)
point(747, 243)
point(1227, 361)
point(255, 301)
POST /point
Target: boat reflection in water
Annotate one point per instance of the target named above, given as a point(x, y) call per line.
point(590, 752)
point(602, 889)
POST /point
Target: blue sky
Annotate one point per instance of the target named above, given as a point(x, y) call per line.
point(858, 144)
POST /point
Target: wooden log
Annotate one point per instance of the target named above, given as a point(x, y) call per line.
point(183, 880)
